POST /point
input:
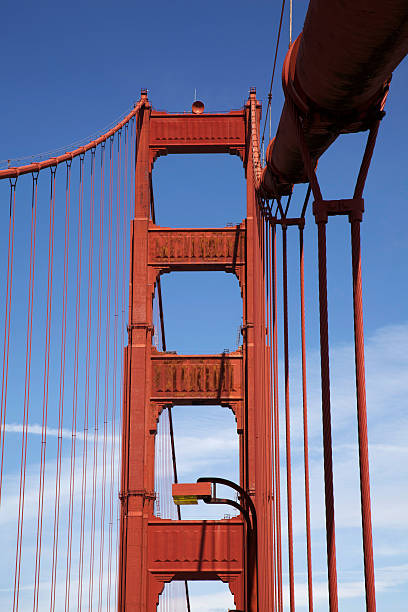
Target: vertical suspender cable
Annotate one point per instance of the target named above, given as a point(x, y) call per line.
point(287, 416)
point(265, 405)
point(45, 392)
point(121, 357)
point(324, 365)
point(276, 421)
point(86, 395)
point(268, 412)
point(305, 427)
point(61, 389)
point(75, 391)
point(97, 379)
point(128, 135)
point(271, 422)
point(27, 366)
point(107, 369)
point(115, 362)
point(362, 417)
point(326, 419)
point(360, 377)
point(7, 319)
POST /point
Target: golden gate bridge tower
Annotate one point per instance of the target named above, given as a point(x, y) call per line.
point(336, 78)
point(153, 550)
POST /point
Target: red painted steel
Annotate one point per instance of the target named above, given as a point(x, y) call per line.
point(195, 550)
point(192, 133)
point(155, 380)
point(69, 155)
point(340, 90)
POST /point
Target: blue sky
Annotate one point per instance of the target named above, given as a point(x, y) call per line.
point(68, 71)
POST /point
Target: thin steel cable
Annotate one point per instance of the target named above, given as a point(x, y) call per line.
point(45, 394)
point(97, 383)
point(87, 382)
point(27, 378)
point(7, 320)
point(61, 389)
point(265, 436)
point(273, 470)
point(114, 377)
point(129, 134)
point(268, 423)
point(268, 108)
point(106, 399)
point(290, 21)
point(305, 425)
point(287, 416)
point(75, 391)
point(276, 420)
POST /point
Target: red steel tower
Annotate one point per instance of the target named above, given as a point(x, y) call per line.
point(154, 551)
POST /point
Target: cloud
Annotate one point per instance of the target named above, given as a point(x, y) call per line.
point(35, 429)
point(206, 441)
point(206, 451)
point(387, 578)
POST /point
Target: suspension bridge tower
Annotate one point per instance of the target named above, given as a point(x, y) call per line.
point(154, 551)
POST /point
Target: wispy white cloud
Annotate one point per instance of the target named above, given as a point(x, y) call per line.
point(204, 445)
point(34, 429)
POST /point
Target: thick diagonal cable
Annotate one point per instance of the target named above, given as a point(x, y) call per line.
point(97, 383)
point(75, 390)
point(27, 379)
point(61, 390)
point(87, 384)
point(107, 370)
point(45, 394)
point(7, 321)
